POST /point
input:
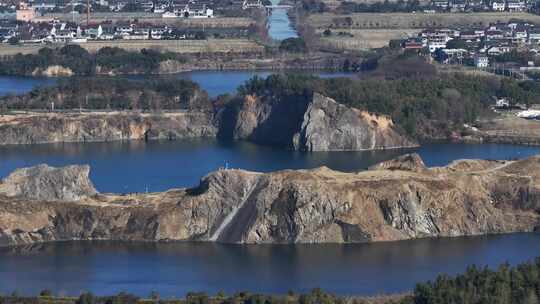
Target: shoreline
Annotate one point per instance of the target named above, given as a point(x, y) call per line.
point(375, 299)
point(22, 247)
point(364, 205)
point(5, 118)
point(270, 68)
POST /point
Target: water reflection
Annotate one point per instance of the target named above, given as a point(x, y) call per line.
point(176, 268)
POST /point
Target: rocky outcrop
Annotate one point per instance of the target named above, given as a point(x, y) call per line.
point(48, 183)
point(297, 206)
point(270, 122)
point(88, 127)
point(318, 124)
point(53, 71)
point(312, 124)
point(408, 162)
point(328, 125)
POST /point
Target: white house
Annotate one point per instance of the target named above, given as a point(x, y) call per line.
point(515, 5)
point(498, 50)
point(534, 36)
point(498, 6)
point(481, 61)
point(502, 103)
point(435, 45)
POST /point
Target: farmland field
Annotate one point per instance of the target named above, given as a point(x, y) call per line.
point(365, 38)
point(411, 20)
point(179, 46)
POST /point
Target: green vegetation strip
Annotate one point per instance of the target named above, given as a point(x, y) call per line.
point(506, 285)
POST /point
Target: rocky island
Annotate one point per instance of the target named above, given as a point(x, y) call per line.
point(395, 200)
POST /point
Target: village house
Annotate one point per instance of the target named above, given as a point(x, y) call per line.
point(25, 13)
point(413, 44)
point(498, 5)
point(521, 32)
point(481, 61)
point(189, 10)
point(458, 5)
point(498, 50)
point(534, 36)
point(471, 35)
point(516, 5)
point(494, 35)
point(455, 54)
point(45, 5)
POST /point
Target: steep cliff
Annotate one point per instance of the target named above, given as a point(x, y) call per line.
point(328, 125)
point(390, 202)
point(48, 183)
point(88, 127)
point(315, 124)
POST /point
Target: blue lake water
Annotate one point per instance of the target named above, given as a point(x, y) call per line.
point(214, 82)
point(176, 268)
point(222, 82)
point(172, 269)
point(18, 85)
point(159, 165)
point(279, 24)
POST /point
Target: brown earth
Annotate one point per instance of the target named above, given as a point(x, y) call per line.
point(293, 206)
point(412, 21)
point(505, 127)
point(179, 46)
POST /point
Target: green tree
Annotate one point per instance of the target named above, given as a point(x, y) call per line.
point(293, 45)
point(45, 293)
point(86, 298)
point(456, 44)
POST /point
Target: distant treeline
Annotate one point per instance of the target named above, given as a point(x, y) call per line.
point(506, 285)
point(381, 7)
point(112, 93)
point(425, 106)
point(347, 7)
point(83, 63)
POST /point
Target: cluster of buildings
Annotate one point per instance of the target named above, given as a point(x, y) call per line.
point(480, 5)
point(34, 9)
point(186, 10)
point(65, 32)
point(455, 45)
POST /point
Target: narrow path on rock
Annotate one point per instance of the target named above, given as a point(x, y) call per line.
point(227, 220)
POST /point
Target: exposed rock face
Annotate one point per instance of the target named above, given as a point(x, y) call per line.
point(321, 124)
point(88, 127)
point(47, 183)
point(271, 122)
point(305, 206)
point(53, 71)
point(328, 125)
point(408, 162)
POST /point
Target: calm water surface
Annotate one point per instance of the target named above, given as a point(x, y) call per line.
point(175, 268)
point(159, 165)
point(221, 82)
point(18, 85)
point(279, 24)
point(214, 82)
